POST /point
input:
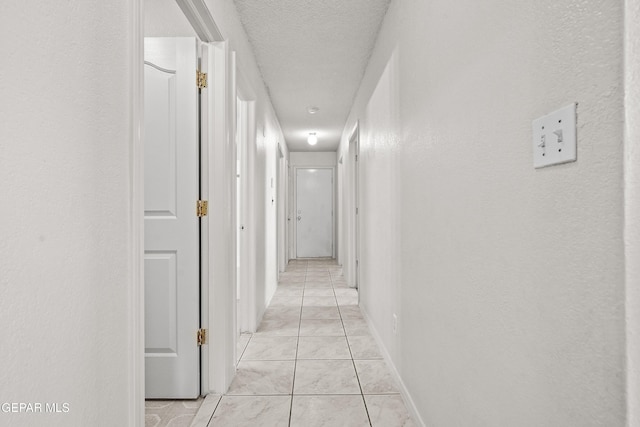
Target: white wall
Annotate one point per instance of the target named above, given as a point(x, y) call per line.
point(164, 18)
point(508, 281)
point(379, 216)
point(632, 202)
point(64, 216)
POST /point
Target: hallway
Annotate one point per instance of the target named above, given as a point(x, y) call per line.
point(314, 346)
point(498, 292)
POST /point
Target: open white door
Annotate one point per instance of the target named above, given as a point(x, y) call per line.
point(172, 255)
point(314, 212)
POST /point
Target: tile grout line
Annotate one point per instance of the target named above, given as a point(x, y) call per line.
point(244, 350)
point(364, 401)
point(214, 410)
point(295, 361)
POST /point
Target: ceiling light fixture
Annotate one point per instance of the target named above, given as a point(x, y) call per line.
point(312, 139)
point(312, 110)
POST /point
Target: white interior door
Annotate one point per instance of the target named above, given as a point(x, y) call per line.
point(172, 282)
point(314, 212)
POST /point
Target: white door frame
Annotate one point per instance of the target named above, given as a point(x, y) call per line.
point(291, 215)
point(294, 206)
point(135, 321)
point(221, 363)
point(285, 218)
point(220, 301)
point(281, 212)
point(353, 271)
point(340, 226)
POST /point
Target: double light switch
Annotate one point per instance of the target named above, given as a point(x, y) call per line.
point(554, 137)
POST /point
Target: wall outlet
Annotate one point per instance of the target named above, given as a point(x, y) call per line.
point(395, 323)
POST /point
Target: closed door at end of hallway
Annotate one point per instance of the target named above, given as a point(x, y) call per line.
point(314, 212)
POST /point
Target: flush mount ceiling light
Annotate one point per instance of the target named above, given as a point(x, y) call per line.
point(312, 139)
point(312, 110)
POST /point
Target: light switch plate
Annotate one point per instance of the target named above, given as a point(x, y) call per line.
point(554, 137)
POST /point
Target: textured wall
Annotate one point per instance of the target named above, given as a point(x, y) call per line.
point(64, 165)
point(164, 18)
point(510, 289)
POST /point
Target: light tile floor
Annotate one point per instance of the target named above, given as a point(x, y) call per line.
point(312, 362)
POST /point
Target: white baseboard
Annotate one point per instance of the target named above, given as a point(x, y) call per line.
point(408, 401)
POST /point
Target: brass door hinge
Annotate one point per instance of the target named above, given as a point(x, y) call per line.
point(201, 79)
point(202, 208)
point(202, 336)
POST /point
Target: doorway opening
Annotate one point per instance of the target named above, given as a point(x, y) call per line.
point(183, 305)
point(245, 142)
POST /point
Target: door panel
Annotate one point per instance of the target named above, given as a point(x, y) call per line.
point(160, 141)
point(314, 213)
point(161, 303)
point(172, 254)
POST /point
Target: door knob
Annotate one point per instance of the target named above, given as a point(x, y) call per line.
point(299, 218)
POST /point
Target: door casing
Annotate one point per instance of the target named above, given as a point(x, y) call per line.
point(219, 294)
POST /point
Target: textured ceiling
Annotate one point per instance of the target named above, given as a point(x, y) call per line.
point(312, 53)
